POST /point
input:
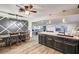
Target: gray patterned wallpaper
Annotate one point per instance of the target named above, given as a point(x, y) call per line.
point(12, 25)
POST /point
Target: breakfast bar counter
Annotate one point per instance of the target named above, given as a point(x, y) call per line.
point(64, 43)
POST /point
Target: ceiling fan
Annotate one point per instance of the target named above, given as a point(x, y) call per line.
point(24, 8)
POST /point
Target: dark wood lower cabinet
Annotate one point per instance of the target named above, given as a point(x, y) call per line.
point(49, 41)
point(59, 46)
point(71, 46)
point(70, 49)
point(63, 45)
point(42, 39)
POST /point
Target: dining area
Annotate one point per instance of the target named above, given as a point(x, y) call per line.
point(13, 31)
point(13, 38)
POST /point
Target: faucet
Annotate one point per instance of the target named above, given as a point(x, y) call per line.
point(64, 31)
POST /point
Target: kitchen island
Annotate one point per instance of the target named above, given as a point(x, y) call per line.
point(64, 43)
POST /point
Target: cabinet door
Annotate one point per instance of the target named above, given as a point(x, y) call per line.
point(43, 39)
point(59, 44)
point(49, 41)
point(40, 40)
point(71, 46)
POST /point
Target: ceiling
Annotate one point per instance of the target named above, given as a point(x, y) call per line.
point(74, 19)
point(43, 10)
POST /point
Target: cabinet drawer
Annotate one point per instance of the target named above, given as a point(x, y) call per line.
point(49, 41)
point(70, 48)
point(59, 46)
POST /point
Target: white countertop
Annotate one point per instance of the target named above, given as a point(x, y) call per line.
point(55, 34)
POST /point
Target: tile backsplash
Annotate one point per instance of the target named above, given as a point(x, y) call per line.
point(8, 25)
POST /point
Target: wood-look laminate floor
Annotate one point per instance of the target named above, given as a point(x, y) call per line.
point(30, 47)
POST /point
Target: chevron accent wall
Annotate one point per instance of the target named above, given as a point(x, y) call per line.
point(12, 25)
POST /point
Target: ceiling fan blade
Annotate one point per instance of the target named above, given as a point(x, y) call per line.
point(11, 14)
point(78, 6)
point(33, 11)
point(18, 6)
point(19, 15)
point(21, 10)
